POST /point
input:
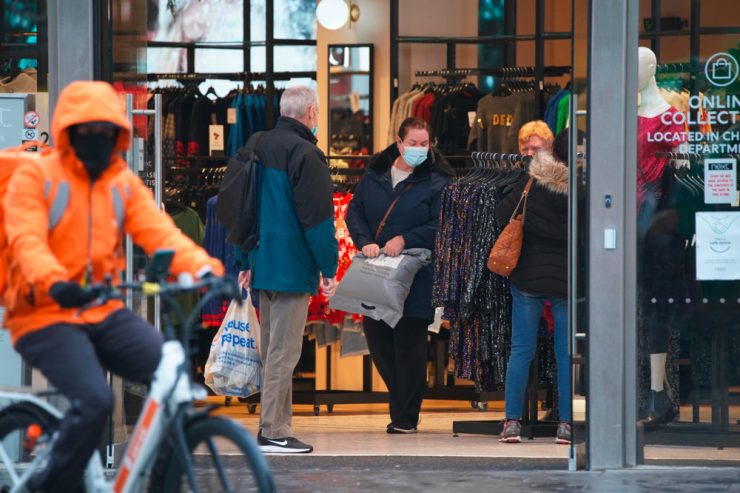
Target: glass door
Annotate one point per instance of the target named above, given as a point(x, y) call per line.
point(688, 232)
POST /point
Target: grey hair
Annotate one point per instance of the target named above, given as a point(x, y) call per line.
point(296, 100)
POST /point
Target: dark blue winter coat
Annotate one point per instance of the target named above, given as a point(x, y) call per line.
point(297, 236)
point(415, 217)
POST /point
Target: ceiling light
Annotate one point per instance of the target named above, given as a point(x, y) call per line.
point(332, 14)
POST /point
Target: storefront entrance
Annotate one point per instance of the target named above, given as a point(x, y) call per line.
point(653, 275)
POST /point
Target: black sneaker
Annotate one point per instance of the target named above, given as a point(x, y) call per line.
point(401, 429)
point(512, 432)
point(285, 445)
point(565, 434)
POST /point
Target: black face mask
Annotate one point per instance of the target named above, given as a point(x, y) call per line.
point(94, 151)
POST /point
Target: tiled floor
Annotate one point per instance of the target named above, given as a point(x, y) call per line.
point(359, 430)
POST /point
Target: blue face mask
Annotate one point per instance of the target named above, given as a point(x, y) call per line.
point(414, 156)
point(314, 131)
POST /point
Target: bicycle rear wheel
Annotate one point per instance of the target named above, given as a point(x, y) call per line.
point(16, 421)
point(225, 457)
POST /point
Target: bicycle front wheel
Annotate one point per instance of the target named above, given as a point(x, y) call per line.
point(225, 457)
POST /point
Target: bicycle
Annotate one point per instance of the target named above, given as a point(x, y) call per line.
point(171, 434)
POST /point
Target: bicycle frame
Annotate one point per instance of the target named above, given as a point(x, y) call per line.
point(171, 388)
point(164, 414)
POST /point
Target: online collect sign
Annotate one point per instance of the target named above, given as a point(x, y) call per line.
point(717, 233)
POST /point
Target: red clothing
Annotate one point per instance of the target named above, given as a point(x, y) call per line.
point(654, 136)
point(422, 107)
point(319, 307)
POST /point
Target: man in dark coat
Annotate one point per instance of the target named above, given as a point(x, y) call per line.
point(297, 245)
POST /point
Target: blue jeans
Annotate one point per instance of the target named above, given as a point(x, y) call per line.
point(526, 313)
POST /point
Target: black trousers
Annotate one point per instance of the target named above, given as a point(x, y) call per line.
point(400, 354)
point(72, 358)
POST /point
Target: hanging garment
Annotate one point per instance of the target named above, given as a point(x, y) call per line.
point(498, 120)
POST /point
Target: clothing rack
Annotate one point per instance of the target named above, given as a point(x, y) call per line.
point(233, 76)
point(680, 155)
point(509, 39)
point(531, 425)
point(674, 68)
point(506, 72)
point(488, 159)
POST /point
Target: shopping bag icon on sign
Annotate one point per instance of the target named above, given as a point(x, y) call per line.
point(722, 70)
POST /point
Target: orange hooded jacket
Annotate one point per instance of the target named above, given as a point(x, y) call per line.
point(59, 223)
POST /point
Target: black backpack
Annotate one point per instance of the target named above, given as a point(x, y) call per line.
point(238, 196)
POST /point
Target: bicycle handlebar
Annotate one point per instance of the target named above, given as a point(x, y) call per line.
point(107, 291)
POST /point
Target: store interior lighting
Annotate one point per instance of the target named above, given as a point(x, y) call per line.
point(333, 14)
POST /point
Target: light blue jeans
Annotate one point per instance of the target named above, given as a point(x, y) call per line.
point(526, 313)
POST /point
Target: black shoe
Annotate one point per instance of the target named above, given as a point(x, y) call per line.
point(660, 410)
point(284, 445)
point(401, 429)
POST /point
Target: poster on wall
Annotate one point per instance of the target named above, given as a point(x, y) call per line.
point(720, 179)
point(717, 246)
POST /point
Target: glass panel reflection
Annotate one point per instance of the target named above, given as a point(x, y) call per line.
point(688, 225)
point(350, 99)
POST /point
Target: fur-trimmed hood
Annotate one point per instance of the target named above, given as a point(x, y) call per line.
point(549, 173)
point(435, 163)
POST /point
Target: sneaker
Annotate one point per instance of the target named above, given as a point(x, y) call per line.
point(401, 429)
point(565, 434)
point(512, 431)
point(285, 445)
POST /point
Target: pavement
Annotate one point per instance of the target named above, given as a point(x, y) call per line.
point(321, 474)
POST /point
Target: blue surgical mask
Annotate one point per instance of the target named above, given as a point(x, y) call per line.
point(314, 131)
point(414, 156)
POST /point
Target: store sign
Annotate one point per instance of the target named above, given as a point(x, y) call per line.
point(718, 111)
point(720, 181)
point(11, 121)
point(717, 246)
point(721, 69)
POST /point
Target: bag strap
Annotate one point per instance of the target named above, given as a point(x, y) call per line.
point(524, 197)
point(390, 209)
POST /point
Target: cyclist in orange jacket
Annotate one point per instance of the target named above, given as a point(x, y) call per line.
point(65, 220)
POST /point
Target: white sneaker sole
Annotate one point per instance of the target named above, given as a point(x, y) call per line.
point(274, 449)
point(561, 441)
point(511, 440)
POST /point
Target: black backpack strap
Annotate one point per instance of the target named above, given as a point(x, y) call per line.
point(252, 142)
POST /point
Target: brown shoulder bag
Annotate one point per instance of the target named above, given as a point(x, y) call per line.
point(508, 247)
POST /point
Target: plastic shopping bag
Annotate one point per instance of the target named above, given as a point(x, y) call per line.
point(378, 288)
point(234, 367)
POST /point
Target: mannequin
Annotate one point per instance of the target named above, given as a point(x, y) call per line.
point(651, 102)
point(651, 107)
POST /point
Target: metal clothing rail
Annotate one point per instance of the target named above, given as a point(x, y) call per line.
point(498, 72)
point(336, 171)
point(482, 159)
point(680, 155)
point(234, 76)
point(675, 68)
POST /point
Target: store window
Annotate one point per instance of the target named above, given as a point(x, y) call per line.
point(688, 230)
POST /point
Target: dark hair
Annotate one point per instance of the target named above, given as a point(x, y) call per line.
point(561, 145)
point(412, 122)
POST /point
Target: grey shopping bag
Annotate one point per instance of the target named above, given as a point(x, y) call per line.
point(377, 288)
